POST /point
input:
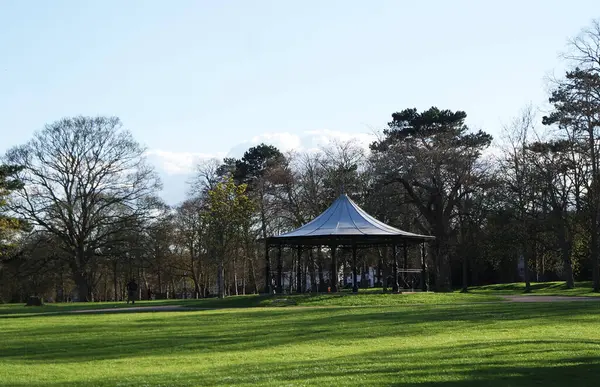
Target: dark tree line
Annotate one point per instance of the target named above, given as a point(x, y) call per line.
point(80, 215)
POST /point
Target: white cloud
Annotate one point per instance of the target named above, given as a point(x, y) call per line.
point(182, 163)
point(179, 163)
point(308, 141)
point(283, 141)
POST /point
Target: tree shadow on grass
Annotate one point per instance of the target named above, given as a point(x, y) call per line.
point(342, 299)
point(87, 338)
point(580, 372)
point(429, 367)
point(556, 288)
point(20, 310)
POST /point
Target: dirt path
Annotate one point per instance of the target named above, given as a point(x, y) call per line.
point(532, 298)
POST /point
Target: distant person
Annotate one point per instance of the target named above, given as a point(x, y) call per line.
point(131, 289)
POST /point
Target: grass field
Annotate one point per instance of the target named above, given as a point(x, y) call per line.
point(410, 339)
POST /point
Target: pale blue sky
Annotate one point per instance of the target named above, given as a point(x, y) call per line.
point(203, 77)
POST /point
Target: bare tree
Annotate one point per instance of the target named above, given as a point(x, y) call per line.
point(584, 49)
point(516, 172)
point(85, 180)
point(208, 174)
point(191, 231)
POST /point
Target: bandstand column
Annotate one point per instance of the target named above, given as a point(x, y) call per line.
point(395, 287)
point(423, 269)
point(405, 268)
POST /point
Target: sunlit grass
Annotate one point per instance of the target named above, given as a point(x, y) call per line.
point(491, 344)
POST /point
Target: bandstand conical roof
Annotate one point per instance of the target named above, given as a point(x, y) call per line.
point(344, 222)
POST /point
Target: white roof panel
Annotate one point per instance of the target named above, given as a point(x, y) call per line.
point(346, 218)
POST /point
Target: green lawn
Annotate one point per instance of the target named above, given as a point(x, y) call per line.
point(460, 343)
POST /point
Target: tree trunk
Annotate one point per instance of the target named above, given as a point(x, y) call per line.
point(80, 276)
point(526, 273)
point(196, 286)
point(442, 263)
point(105, 288)
point(465, 257)
point(235, 278)
point(594, 255)
point(244, 270)
point(62, 297)
point(465, 273)
point(565, 249)
point(83, 287)
point(568, 268)
point(253, 275)
point(146, 284)
point(207, 280)
point(221, 279)
point(194, 271)
point(595, 200)
point(116, 280)
point(160, 284)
